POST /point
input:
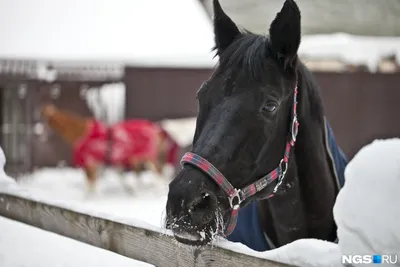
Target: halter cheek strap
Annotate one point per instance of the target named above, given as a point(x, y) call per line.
point(237, 196)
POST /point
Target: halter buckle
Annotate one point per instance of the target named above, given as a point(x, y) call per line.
point(233, 197)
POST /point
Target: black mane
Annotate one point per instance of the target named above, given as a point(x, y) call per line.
point(247, 56)
point(247, 59)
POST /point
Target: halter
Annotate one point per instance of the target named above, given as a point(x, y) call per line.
point(237, 196)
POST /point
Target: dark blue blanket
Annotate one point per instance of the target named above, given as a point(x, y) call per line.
point(248, 230)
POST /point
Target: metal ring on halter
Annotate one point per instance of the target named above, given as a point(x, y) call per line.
point(294, 129)
point(285, 165)
point(282, 175)
point(234, 196)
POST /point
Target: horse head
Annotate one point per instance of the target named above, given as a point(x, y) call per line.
point(67, 124)
point(245, 127)
point(48, 110)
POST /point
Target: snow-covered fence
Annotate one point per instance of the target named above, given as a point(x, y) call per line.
point(143, 243)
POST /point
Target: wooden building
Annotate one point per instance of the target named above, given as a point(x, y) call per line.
point(54, 51)
point(24, 87)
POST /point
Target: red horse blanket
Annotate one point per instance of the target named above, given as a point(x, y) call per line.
point(122, 143)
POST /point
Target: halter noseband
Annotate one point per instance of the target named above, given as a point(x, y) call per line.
point(237, 196)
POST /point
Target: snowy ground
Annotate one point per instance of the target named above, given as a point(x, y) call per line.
point(350, 48)
point(360, 231)
point(69, 185)
point(25, 246)
point(29, 246)
point(147, 203)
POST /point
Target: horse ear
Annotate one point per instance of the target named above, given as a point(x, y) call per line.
point(285, 33)
point(225, 30)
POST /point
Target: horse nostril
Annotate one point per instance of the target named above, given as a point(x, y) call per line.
point(202, 207)
point(202, 202)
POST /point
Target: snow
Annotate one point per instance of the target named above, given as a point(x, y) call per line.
point(303, 252)
point(365, 212)
point(367, 209)
point(107, 102)
point(66, 187)
point(143, 33)
point(351, 49)
point(28, 246)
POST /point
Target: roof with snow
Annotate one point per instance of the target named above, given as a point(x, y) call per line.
point(359, 17)
point(335, 34)
point(368, 51)
point(133, 32)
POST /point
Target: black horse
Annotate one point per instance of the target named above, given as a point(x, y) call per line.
point(264, 169)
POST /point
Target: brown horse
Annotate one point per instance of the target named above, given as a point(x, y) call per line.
point(134, 144)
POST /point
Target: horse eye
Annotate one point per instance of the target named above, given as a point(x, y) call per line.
point(270, 107)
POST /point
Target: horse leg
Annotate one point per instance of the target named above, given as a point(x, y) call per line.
point(162, 150)
point(150, 165)
point(120, 170)
point(125, 186)
point(162, 153)
point(137, 168)
point(91, 175)
point(154, 167)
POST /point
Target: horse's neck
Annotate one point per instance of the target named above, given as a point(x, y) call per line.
point(70, 127)
point(282, 216)
point(304, 206)
point(313, 163)
point(316, 179)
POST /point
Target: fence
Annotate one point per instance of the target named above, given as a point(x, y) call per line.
point(146, 244)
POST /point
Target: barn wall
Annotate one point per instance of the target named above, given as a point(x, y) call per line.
point(36, 144)
point(159, 93)
point(360, 106)
point(15, 137)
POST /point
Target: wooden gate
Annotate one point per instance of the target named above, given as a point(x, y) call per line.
point(16, 127)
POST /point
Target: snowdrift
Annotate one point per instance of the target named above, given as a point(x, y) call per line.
point(367, 209)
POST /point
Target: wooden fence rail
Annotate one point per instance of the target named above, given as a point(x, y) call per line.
point(134, 242)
